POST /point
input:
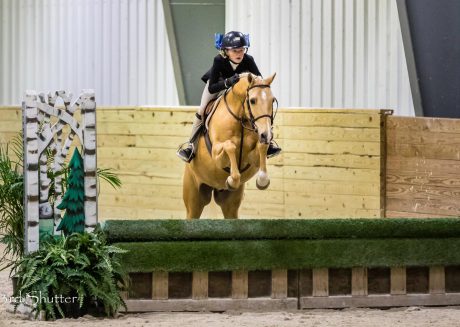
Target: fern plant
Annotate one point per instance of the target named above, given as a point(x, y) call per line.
point(81, 268)
point(11, 202)
point(12, 196)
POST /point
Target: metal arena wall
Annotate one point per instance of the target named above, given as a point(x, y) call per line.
point(330, 53)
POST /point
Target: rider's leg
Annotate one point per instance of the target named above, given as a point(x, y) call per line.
point(188, 152)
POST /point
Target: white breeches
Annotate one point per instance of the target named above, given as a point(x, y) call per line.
point(205, 98)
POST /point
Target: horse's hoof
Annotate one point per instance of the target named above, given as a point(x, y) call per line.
point(229, 187)
point(262, 187)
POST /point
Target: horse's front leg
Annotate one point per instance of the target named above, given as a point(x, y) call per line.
point(222, 153)
point(262, 181)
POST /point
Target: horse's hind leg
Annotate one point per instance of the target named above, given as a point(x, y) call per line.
point(195, 198)
point(230, 202)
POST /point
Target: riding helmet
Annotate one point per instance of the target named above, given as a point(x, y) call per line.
point(234, 40)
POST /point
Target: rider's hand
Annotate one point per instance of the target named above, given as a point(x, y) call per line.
point(232, 80)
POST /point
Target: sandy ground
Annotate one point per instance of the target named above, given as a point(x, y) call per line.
point(413, 316)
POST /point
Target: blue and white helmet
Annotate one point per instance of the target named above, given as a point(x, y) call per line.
point(232, 40)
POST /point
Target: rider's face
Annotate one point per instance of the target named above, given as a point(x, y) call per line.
point(236, 55)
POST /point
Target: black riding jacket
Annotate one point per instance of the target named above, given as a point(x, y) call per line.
point(222, 69)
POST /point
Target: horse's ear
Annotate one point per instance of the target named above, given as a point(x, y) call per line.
point(270, 79)
point(251, 79)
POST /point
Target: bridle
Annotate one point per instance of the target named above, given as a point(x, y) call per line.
point(252, 119)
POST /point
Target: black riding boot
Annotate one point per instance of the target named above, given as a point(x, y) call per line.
point(273, 150)
point(188, 152)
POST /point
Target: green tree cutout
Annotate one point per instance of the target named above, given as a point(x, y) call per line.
point(74, 198)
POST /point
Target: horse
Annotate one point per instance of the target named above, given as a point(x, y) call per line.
point(239, 133)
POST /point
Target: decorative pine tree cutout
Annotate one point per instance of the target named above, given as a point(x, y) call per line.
point(74, 198)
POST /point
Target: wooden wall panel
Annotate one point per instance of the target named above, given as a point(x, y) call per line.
point(330, 166)
point(423, 167)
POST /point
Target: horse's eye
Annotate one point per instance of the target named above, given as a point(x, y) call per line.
point(253, 101)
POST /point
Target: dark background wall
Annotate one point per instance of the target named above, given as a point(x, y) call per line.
point(193, 26)
point(435, 32)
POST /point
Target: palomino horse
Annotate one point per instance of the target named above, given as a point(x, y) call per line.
point(240, 131)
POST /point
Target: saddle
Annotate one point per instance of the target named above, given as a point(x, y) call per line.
point(207, 115)
point(209, 111)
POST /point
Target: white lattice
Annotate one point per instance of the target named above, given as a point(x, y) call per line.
point(41, 134)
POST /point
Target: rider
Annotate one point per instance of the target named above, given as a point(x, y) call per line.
point(224, 73)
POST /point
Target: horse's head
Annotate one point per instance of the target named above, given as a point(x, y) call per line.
point(258, 104)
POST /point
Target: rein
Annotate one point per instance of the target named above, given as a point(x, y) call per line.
point(252, 120)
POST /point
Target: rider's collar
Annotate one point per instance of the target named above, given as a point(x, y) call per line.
point(233, 64)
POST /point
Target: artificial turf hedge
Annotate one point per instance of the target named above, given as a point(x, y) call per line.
point(223, 245)
point(288, 254)
point(272, 229)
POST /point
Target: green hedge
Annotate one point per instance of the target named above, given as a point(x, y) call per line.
point(222, 245)
point(288, 254)
point(273, 229)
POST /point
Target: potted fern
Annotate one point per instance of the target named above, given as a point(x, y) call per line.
point(71, 276)
point(12, 197)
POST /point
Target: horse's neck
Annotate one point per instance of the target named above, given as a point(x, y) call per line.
point(235, 103)
point(224, 121)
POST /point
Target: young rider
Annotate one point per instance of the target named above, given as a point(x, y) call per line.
point(231, 61)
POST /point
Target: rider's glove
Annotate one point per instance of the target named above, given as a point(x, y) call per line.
point(231, 80)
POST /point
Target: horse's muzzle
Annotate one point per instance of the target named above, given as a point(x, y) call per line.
point(264, 138)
